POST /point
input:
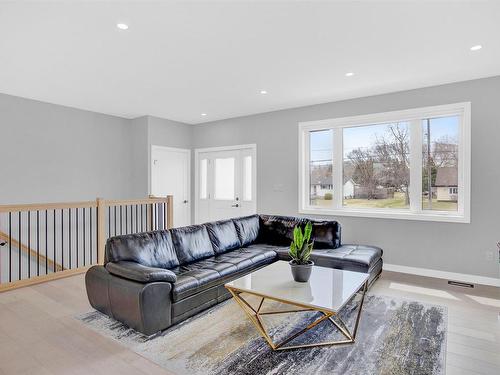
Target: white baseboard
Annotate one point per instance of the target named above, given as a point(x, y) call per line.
point(463, 277)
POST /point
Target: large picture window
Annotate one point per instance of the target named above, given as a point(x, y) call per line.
point(412, 164)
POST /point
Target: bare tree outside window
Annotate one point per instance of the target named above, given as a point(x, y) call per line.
point(377, 169)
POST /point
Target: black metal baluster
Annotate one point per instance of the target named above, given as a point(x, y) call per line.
point(115, 220)
point(29, 244)
point(77, 239)
point(38, 243)
point(62, 239)
point(126, 219)
point(165, 216)
point(69, 247)
point(131, 219)
point(97, 233)
point(84, 242)
point(54, 258)
point(156, 216)
point(90, 255)
point(10, 246)
point(147, 217)
point(46, 242)
point(136, 219)
point(142, 218)
point(109, 221)
point(20, 244)
point(126, 208)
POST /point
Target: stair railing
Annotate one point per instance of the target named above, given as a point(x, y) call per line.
point(42, 242)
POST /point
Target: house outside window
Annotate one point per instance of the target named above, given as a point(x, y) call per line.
point(411, 164)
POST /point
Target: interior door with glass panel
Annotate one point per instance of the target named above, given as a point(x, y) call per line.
point(226, 184)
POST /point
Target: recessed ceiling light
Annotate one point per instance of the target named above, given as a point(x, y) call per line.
point(476, 48)
point(349, 74)
point(203, 114)
point(122, 26)
point(263, 92)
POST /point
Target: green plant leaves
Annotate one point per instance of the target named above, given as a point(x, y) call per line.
point(308, 231)
point(301, 247)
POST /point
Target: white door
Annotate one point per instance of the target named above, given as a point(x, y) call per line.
point(170, 175)
point(226, 183)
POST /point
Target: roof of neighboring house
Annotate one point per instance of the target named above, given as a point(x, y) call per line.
point(447, 176)
point(321, 175)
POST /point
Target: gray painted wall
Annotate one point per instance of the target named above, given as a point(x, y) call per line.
point(169, 133)
point(50, 153)
point(139, 129)
point(442, 246)
point(54, 153)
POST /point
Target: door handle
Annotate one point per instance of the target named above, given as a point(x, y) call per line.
point(235, 205)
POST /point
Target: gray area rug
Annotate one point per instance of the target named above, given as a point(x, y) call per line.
point(395, 337)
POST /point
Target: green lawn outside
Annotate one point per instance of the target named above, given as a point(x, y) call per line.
point(397, 202)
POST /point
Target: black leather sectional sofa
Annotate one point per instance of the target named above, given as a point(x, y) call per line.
point(153, 280)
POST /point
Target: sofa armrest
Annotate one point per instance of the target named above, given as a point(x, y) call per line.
point(138, 272)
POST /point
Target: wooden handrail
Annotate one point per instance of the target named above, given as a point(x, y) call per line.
point(128, 202)
point(46, 206)
point(30, 252)
point(43, 278)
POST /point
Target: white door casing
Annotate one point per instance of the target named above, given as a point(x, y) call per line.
point(225, 182)
point(171, 175)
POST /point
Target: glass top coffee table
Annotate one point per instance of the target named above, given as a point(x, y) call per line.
point(327, 292)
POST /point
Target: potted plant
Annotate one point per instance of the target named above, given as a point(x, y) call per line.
point(300, 252)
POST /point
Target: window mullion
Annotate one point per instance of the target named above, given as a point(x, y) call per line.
point(337, 167)
point(306, 169)
point(415, 166)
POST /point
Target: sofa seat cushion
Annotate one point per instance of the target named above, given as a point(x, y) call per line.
point(359, 258)
point(191, 243)
point(201, 275)
point(250, 256)
point(223, 236)
point(192, 281)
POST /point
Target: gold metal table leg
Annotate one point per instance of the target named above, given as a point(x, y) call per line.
point(255, 316)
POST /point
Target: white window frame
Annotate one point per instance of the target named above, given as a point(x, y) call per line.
point(414, 117)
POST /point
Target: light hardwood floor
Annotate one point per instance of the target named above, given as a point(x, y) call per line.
point(39, 335)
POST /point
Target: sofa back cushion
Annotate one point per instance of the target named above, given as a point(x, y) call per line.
point(191, 243)
point(278, 230)
point(223, 236)
point(247, 228)
point(151, 249)
point(326, 234)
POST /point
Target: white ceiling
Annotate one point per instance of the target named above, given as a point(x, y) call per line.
point(178, 60)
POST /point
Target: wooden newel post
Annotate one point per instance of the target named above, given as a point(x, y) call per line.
point(169, 212)
point(101, 231)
